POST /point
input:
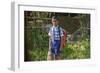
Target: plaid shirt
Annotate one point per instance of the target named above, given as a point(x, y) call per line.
point(55, 32)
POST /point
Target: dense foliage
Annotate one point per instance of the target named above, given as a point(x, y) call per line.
point(76, 50)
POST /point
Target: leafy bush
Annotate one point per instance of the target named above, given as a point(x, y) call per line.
point(71, 51)
point(79, 50)
point(39, 54)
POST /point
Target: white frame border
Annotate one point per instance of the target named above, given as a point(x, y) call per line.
point(15, 51)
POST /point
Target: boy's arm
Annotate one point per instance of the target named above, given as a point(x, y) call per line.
point(49, 43)
point(49, 34)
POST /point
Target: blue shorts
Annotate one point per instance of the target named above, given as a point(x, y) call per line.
point(55, 47)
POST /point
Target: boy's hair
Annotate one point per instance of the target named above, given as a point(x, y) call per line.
point(56, 17)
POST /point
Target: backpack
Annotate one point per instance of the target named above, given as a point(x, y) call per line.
point(64, 38)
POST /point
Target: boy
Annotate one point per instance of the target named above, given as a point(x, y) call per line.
point(55, 39)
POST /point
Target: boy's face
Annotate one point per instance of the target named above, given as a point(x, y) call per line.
point(55, 22)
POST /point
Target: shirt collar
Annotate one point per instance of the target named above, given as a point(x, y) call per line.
point(56, 26)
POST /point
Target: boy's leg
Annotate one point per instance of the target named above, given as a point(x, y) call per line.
point(57, 45)
point(58, 57)
point(50, 56)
